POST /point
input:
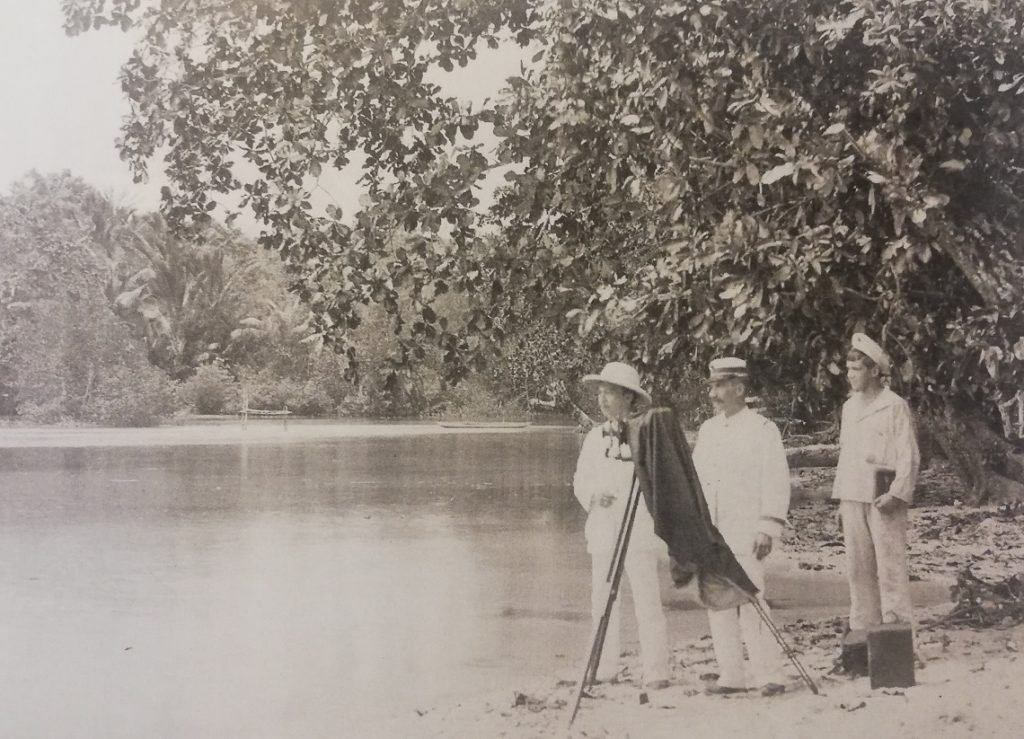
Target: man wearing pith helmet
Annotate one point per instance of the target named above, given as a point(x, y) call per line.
point(604, 476)
point(874, 484)
point(743, 471)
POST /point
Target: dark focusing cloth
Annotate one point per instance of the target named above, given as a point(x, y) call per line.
point(672, 491)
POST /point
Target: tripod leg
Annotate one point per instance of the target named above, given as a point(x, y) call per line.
point(591, 669)
point(615, 575)
point(624, 530)
point(782, 643)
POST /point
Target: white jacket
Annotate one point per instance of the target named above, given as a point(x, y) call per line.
point(873, 436)
point(598, 474)
point(743, 470)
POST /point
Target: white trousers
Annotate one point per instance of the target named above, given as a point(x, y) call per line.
point(733, 627)
point(876, 564)
point(642, 573)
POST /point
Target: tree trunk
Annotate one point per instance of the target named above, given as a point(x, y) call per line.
point(990, 468)
point(991, 259)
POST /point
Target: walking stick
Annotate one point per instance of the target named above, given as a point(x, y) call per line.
point(615, 577)
point(782, 642)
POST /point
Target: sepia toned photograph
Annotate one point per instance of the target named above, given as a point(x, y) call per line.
point(523, 369)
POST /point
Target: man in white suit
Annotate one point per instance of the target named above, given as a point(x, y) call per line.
point(743, 470)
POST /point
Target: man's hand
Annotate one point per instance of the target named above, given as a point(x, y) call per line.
point(606, 500)
point(889, 503)
point(762, 545)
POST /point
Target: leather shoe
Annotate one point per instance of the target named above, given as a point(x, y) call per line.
point(657, 685)
point(770, 689)
point(723, 690)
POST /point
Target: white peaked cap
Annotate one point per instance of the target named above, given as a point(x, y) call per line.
point(726, 367)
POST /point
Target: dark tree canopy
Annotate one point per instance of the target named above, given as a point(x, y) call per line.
point(683, 178)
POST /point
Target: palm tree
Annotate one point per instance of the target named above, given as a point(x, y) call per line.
point(188, 297)
point(280, 337)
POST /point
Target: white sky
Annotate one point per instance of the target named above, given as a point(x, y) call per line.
point(61, 104)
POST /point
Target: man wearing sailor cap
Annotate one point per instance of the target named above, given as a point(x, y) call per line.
point(743, 471)
point(874, 484)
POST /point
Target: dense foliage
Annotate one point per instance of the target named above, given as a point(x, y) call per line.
point(101, 310)
point(65, 355)
point(683, 178)
point(106, 316)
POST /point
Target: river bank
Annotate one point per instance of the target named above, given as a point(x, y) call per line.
point(262, 431)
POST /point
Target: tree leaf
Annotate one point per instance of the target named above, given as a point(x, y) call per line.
point(732, 291)
point(777, 173)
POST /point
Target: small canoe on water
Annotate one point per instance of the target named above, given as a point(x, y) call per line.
point(484, 424)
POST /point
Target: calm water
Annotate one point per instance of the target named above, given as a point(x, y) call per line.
point(302, 589)
point(280, 590)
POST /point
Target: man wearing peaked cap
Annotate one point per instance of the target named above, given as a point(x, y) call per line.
point(874, 484)
point(726, 367)
point(604, 476)
point(743, 471)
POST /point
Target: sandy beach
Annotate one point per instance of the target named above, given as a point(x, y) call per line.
point(969, 680)
point(968, 684)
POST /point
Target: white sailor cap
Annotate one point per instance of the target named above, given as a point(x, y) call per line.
point(725, 368)
point(872, 350)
